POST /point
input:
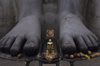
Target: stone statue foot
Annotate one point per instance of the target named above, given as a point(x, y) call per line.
point(75, 36)
point(24, 36)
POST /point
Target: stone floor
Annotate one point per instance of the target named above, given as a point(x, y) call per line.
point(91, 62)
point(4, 62)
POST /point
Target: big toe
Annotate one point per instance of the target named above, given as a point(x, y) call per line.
point(30, 48)
point(68, 45)
point(68, 48)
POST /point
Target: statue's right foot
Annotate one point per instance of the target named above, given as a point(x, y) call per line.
point(24, 36)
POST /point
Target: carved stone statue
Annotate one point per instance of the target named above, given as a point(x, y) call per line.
point(26, 34)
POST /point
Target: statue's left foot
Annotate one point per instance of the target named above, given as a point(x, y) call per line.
point(75, 36)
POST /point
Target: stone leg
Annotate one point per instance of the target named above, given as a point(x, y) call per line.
point(73, 34)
